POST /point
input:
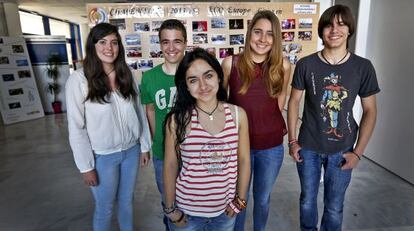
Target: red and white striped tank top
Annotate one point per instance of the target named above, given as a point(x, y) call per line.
point(208, 177)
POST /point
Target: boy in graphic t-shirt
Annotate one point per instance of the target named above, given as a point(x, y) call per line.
point(332, 79)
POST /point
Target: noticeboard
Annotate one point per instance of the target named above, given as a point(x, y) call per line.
point(220, 28)
point(19, 98)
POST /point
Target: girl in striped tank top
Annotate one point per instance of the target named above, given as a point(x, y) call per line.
point(207, 159)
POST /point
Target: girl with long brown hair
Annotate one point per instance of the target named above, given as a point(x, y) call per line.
point(108, 129)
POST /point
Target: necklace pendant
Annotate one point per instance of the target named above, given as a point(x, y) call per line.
point(211, 117)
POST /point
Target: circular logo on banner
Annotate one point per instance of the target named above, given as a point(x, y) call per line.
point(97, 15)
point(215, 155)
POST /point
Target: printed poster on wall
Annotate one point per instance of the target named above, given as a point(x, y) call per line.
point(19, 98)
point(220, 28)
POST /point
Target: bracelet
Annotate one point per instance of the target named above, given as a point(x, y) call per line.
point(292, 142)
point(359, 158)
point(170, 210)
point(233, 207)
point(237, 204)
point(240, 203)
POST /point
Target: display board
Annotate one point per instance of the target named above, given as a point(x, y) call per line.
point(220, 28)
point(19, 98)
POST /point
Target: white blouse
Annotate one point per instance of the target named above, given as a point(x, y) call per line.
point(102, 128)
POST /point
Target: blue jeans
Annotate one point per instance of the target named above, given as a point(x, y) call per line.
point(219, 223)
point(335, 182)
point(117, 174)
point(158, 169)
point(265, 166)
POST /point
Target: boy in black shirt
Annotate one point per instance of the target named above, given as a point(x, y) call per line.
point(332, 79)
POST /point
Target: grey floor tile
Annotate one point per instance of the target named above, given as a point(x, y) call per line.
point(41, 189)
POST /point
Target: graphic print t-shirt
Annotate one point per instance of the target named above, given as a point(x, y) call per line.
point(159, 89)
point(328, 124)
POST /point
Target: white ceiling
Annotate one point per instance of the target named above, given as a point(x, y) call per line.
point(75, 10)
point(70, 10)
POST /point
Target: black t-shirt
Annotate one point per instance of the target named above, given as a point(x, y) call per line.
point(328, 124)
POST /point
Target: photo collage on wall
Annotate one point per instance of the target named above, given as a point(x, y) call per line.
point(141, 41)
point(218, 28)
point(212, 35)
point(18, 88)
point(216, 35)
point(295, 32)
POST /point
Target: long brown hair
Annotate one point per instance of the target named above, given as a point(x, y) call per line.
point(98, 82)
point(273, 65)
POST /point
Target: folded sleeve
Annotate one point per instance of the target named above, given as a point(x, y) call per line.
point(369, 82)
point(298, 79)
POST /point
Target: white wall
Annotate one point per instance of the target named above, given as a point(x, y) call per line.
point(3, 24)
point(11, 12)
point(390, 48)
point(84, 31)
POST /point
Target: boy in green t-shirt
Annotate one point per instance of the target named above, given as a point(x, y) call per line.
point(158, 90)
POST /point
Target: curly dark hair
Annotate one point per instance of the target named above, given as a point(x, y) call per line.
point(185, 102)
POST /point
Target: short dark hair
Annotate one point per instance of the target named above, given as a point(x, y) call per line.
point(173, 24)
point(329, 16)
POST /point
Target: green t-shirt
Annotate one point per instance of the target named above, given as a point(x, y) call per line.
point(159, 89)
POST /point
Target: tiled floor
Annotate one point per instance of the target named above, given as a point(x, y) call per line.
point(41, 189)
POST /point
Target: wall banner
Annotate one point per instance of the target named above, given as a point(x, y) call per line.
point(220, 28)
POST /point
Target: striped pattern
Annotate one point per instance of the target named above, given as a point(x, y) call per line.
point(207, 180)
